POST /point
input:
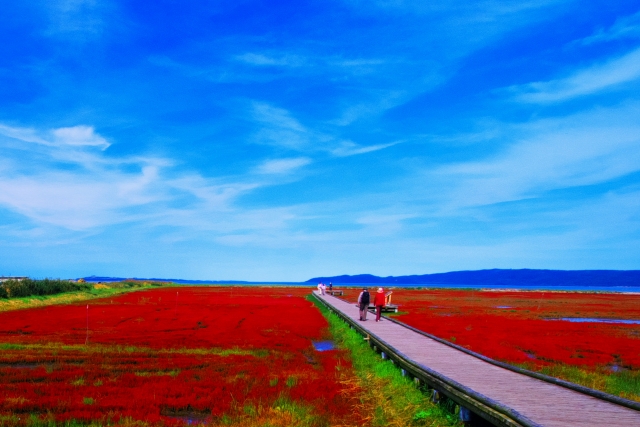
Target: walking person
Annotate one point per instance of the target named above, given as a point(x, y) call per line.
point(363, 303)
point(330, 286)
point(321, 288)
point(378, 301)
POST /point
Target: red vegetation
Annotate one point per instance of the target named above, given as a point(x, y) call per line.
point(523, 329)
point(212, 351)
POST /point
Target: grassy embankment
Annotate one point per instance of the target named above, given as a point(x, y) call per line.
point(390, 398)
point(625, 383)
point(87, 293)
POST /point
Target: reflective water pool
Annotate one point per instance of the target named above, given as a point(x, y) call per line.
point(324, 345)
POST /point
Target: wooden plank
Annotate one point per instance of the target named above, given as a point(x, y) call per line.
point(541, 402)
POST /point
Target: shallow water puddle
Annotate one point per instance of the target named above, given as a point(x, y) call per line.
point(324, 345)
point(189, 420)
point(24, 365)
point(502, 306)
point(188, 416)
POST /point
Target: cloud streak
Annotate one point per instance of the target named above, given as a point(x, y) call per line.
point(90, 189)
point(579, 150)
point(78, 136)
point(280, 128)
point(349, 148)
point(282, 166)
point(627, 27)
point(597, 78)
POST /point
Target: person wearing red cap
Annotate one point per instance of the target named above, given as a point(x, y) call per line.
point(378, 301)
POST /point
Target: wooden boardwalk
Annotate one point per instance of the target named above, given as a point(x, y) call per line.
point(529, 401)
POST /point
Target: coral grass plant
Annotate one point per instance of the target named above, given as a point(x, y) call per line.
point(524, 328)
point(209, 355)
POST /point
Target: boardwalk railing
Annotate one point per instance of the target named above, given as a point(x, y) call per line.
point(495, 412)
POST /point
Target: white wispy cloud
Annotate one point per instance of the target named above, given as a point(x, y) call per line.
point(279, 127)
point(78, 19)
point(63, 177)
point(349, 148)
point(380, 101)
point(262, 59)
point(73, 136)
point(596, 78)
point(582, 149)
point(282, 166)
point(315, 63)
point(624, 28)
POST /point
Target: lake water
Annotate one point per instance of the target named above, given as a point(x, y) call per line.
point(408, 286)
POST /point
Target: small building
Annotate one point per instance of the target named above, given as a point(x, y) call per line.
point(18, 278)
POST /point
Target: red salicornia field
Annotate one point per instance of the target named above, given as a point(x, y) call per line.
point(527, 327)
point(172, 354)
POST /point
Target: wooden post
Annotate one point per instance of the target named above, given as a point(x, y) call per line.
point(435, 396)
point(86, 341)
point(464, 415)
point(383, 355)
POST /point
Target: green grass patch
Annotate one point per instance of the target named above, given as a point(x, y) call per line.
point(107, 349)
point(173, 373)
point(625, 383)
point(396, 314)
point(283, 412)
point(292, 381)
point(92, 292)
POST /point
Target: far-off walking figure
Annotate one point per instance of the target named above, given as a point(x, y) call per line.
point(363, 303)
point(322, 288)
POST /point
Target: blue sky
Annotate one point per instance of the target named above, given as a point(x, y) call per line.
point(258, 140)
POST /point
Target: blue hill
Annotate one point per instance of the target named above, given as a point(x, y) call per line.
point(499, 277)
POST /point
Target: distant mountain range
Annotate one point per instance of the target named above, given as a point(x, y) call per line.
point(499, 277)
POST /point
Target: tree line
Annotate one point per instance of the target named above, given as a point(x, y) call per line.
point(30, 287)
